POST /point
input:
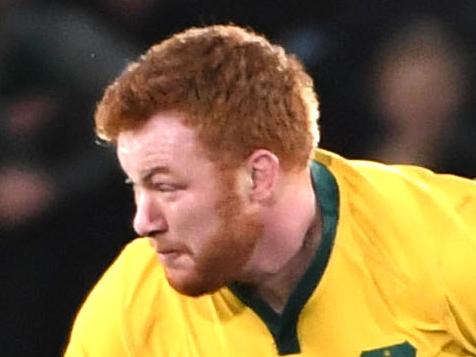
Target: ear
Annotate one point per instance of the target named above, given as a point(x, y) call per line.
point(263, 170)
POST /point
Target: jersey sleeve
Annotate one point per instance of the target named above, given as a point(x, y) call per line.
point(459, 267)
point(458, 194)
point(99, 328)
point(458, 258)
point(456, 197)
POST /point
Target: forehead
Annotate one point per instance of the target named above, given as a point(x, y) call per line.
point(162, 139)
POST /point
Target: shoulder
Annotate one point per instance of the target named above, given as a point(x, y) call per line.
point(406, 215)
point(416, 228)
point(402, 186)
point(135, 276)
point(135, 265)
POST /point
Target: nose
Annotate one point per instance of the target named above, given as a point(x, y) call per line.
point(149, 218)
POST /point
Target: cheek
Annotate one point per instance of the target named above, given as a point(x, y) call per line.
point(193, 220)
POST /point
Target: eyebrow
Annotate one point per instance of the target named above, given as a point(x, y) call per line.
point(146, 175)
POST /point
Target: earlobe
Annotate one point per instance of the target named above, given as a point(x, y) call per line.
point(263, 167)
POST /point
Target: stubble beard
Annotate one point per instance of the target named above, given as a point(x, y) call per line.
point(226, 252)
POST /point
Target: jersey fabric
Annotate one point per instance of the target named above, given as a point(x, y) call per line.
point(394, 275)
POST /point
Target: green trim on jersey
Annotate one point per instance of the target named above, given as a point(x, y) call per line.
point(283, 327)
point(402, 350)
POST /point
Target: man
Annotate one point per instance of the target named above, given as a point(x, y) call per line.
point(259, 245)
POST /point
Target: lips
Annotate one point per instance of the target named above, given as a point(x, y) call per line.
point(167, 251)
point(167, 257)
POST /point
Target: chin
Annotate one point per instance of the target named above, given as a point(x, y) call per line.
point(192, 284)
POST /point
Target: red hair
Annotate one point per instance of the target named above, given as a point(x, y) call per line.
point(240, 93)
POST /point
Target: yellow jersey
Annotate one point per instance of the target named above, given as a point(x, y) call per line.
point(395, 275)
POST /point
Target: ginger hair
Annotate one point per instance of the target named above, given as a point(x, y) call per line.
point(236, 89)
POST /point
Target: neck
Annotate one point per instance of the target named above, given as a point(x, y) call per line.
point(285, 251)
point(276, 288)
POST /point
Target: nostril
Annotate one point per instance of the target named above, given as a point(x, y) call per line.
point(154, 233)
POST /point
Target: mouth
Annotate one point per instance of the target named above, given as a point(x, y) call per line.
point(166, 257)
point(167, 252)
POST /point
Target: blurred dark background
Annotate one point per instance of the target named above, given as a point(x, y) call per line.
point(396, 81)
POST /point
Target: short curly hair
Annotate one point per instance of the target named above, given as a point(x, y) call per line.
point(239, 91)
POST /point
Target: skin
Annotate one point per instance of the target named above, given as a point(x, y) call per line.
point(212, 227)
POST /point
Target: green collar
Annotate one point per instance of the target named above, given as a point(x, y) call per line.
point(283, 327)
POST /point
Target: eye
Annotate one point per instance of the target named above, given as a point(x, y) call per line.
point(164, 187)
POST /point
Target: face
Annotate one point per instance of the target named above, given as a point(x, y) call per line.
point(190, 210)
